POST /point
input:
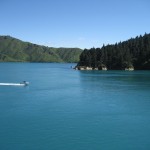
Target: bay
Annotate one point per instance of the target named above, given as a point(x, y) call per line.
point(65, 109)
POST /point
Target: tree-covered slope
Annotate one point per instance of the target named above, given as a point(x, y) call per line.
point(133, 53)
point(12, 49)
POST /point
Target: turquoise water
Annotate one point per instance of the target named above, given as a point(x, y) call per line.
point(64, 109)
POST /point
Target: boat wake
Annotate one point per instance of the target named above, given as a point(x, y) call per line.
point(24, 83)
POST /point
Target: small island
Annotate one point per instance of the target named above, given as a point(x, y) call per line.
point(133, 54)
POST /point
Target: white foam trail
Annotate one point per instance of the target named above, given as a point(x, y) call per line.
point(13, 84)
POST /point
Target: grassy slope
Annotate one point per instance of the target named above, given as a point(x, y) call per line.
point(69, 54)
point(12, 49)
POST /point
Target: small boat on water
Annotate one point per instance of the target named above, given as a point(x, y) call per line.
point(24, 83)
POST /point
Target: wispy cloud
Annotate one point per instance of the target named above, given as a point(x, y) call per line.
point(81, 39)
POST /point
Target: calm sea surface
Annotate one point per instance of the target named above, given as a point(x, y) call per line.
point(64, 109)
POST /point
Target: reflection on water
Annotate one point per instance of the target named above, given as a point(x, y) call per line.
point(114, 79)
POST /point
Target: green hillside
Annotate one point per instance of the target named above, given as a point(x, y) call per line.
point(12, 49)
point(69, 55)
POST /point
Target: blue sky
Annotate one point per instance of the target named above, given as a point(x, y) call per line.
point(74, 23)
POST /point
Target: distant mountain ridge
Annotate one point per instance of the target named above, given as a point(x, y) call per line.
point(15, 50)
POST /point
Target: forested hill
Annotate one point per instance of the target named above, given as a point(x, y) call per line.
point(131, 54)
point(12, 49)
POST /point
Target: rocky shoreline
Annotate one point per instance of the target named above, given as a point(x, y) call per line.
point(101, 68)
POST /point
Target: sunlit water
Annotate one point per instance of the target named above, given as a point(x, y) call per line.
point(65, 109)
